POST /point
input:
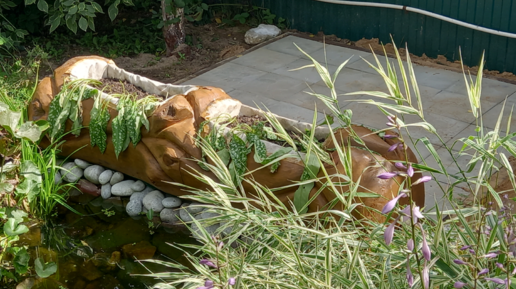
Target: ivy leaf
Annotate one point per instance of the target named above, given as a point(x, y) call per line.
point(13, 227)
point(43, 6)
point(44, 269)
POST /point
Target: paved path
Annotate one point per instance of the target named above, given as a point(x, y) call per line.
point(263, 77)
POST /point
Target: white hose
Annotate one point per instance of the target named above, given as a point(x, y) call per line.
point(424, 12)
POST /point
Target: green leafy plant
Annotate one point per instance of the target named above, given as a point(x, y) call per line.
point(99, 118)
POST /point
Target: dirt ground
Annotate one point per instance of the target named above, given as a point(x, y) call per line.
point(214, 43)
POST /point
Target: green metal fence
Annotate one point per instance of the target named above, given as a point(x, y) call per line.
point(423, 34)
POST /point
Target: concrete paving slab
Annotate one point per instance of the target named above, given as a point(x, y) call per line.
point(492, 90)
point(230, 75)
point(286, 45)
point(274, 84)
point(303, 99)
point(308, 75)
point(336, 55)
point(436, 78)
point(454, 105)
point(202, 81)
point(490, 118)
point(265, 59)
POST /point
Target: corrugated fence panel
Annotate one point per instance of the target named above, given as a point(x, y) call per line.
point(422, 34)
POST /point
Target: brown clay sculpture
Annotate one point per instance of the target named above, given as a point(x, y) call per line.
point(168, 152)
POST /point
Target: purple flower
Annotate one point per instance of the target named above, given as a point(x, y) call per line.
point(231, 281)
point(459, 262)
point(483, 271)
point(472, 251)
point(386, 175)
point(426, 250)
point(410, 171)
point(405, 213)
point(220, 245)
point(392, 203)
point(410, 277)
point(410, 245)
point(394, 147)
point(426, 277)
point(465, 247)
point(208, 284)
point(459, 284)
point(491, 255)
point(400, 166)
point(416, 214)
point(423, 179)
point(496, 280)
point(390, 136)
point(389, 233)
point(207, 263)
point(499, 265)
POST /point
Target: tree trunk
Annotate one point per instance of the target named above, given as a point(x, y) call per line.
point(173, 33)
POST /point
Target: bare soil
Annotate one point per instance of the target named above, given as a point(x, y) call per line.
point(115, 86)
point(213, 43)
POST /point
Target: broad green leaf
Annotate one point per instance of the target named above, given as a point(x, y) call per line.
point(21, 261)
point(97, 7)
point(9, 119)
point(18, 215)
point(13, 227)
point(29, 130)
point(44, 269)
point(83, 23)
point(113, 11)
point(311, 170)
point(43, 6)
point(238, 151)
point(6, 187)
point(73, 10)
point(29, 2)
point(30, 171)
point(180, 3)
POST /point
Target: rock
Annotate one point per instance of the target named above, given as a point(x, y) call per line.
point(137, 197)
point(171, 202)
point(116, 178)
point(71, 172)
point(148, 190)
point(122, 189)
point(106, 261)
point(105, 177)
point(170, 216)
point(82, 164)
point(195, 208)
point(141, 250)
point(138, 186)
point(105, 191)
point(152, 201)
point(92, 173)
point(57, 178)
point(88, 188)
point(134, 208)
point(261, 33)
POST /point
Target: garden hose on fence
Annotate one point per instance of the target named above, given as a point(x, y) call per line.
point(424, 12)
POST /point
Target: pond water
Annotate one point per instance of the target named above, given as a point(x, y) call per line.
point(98, 249)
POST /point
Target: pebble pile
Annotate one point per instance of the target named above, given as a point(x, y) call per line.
point(99, 181)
